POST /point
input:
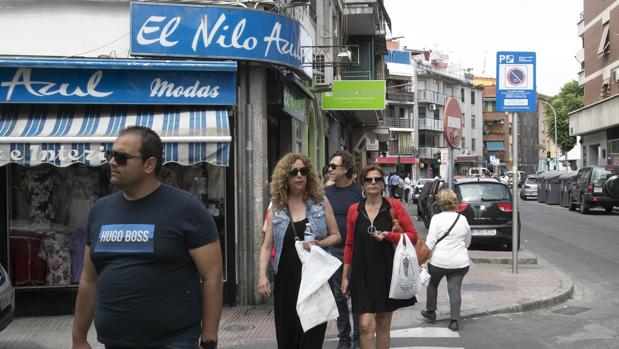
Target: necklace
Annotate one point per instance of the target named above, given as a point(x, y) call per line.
point(371, 229)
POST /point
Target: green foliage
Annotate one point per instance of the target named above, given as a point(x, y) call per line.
point(569, 99)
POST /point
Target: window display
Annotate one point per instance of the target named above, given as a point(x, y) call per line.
point(49, 208)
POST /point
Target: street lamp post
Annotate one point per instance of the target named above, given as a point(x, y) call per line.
point(556, 143)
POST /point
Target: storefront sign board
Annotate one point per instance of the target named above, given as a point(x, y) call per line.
point(169, 30)
point(355, 95)
point(49, 85)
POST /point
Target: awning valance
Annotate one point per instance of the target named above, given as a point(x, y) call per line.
point(62, 135)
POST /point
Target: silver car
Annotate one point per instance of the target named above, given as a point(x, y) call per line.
point(529, 188)
point(7, 299)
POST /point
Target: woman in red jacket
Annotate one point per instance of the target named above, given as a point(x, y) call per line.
point(368, 258)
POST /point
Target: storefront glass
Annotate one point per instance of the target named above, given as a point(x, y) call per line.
point(49, 209)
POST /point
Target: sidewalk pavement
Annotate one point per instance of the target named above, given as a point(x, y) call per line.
point(488, 288)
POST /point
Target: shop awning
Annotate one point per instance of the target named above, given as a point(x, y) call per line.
point(495, 146)
point(392, 160)
point(66, 134)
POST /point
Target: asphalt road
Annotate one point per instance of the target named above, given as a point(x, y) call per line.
point(585, 247)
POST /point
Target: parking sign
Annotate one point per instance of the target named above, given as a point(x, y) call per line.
point(516, 84)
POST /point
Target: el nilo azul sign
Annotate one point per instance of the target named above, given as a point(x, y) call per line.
point(219, 32)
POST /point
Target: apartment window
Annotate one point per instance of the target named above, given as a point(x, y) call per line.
point(463, 142)
point(402, 116)
point(473, 144)
point(462, 94)
point(422, 112)
point(472, 120)
point(489, 107)
point(605, 39)
point(319, 67)
point(472, 97)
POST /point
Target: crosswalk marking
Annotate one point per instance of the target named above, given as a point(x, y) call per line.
point(428, 347)
point(424, 332)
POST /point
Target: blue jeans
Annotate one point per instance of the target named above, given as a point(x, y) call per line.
point(177, 344)
point(343, 320)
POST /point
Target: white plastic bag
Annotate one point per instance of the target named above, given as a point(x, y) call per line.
point(316, 304)
point(424, 276)
point(405, 275)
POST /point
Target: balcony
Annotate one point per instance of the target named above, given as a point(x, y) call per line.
point(401, 96)
point(401, 149)
point(364, 17)
point(430, 124)
point(430, 152)
point(428, 96)
point(398, 123)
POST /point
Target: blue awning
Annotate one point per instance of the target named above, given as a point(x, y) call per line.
point(495, 146)
point(62, 135)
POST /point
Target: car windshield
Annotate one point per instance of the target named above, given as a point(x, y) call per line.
point(421, 182)
point(531, 180)
point(600, 175)
point(469, 192)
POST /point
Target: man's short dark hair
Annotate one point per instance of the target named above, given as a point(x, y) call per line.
point(347, 161)
point(151, 145)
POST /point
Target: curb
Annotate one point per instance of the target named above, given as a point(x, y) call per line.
point(505, 260)
point(561, 294)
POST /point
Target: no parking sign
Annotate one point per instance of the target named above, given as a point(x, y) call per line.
point(516, 84)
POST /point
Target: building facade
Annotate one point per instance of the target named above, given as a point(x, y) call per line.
point(597, 123)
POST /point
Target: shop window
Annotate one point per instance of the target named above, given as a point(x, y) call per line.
point(49, 208)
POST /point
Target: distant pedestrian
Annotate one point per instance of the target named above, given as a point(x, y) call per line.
point(298, 199)
point(342, 195)
point(152, 274)
point(449, 236)
point(371, 232)
point(408, 189)
point(394, 184)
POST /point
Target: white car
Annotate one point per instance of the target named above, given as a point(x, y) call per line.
point(7, 299)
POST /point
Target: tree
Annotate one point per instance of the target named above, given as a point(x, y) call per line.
point(569, 99)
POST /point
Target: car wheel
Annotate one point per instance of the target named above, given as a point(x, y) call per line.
point(609, 209)
point(572, 206)
point(584, 209)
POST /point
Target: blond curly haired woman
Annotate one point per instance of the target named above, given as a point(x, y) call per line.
point(298, 199)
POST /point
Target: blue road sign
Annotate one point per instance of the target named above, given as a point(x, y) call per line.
point(516, 84)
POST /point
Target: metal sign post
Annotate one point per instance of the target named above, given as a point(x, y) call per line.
point(452, 129)
point(515, 237)
point(516, 92)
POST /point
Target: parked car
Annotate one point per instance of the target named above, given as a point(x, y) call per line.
point(479, 171)
point(418, 186)
point(487, 206)
point(426, 206)
point(595, 186)
point(529, 189)
point(7, 299)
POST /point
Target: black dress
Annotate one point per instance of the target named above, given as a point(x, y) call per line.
point(288, 328)
point(372, 263)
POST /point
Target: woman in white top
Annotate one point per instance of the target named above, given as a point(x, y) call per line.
point(450, 256)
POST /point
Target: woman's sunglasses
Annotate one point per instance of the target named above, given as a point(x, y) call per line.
point(120, 157)
point(304, 171)
point(369, 180)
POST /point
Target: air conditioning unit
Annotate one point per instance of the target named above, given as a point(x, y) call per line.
point(432, 106)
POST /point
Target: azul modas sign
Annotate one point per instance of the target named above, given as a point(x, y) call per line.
point(219, 32)
point(116, 82)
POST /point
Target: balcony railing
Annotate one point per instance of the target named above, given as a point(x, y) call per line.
point(401, 96)
point(430, 124)
point(357, 75)
point(428, 96)
point(398, 122)
point(429, 152)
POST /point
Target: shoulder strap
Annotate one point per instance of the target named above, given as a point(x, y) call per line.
point(291, 222)
point(449, 230)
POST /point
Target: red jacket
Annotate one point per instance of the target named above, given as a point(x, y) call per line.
point(394, 237)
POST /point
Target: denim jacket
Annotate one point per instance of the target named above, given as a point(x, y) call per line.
point(316, 215)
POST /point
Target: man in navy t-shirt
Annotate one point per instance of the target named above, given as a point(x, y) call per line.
point(342, 195)
point(152, 274)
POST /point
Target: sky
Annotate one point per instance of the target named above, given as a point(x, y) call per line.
point(472, 31)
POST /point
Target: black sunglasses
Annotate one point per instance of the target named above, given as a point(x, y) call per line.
point(334, 166)
point(369, 180)
point(304, 171)
point(120, 157)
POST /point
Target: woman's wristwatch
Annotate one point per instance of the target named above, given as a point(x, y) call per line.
point(208, 344)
